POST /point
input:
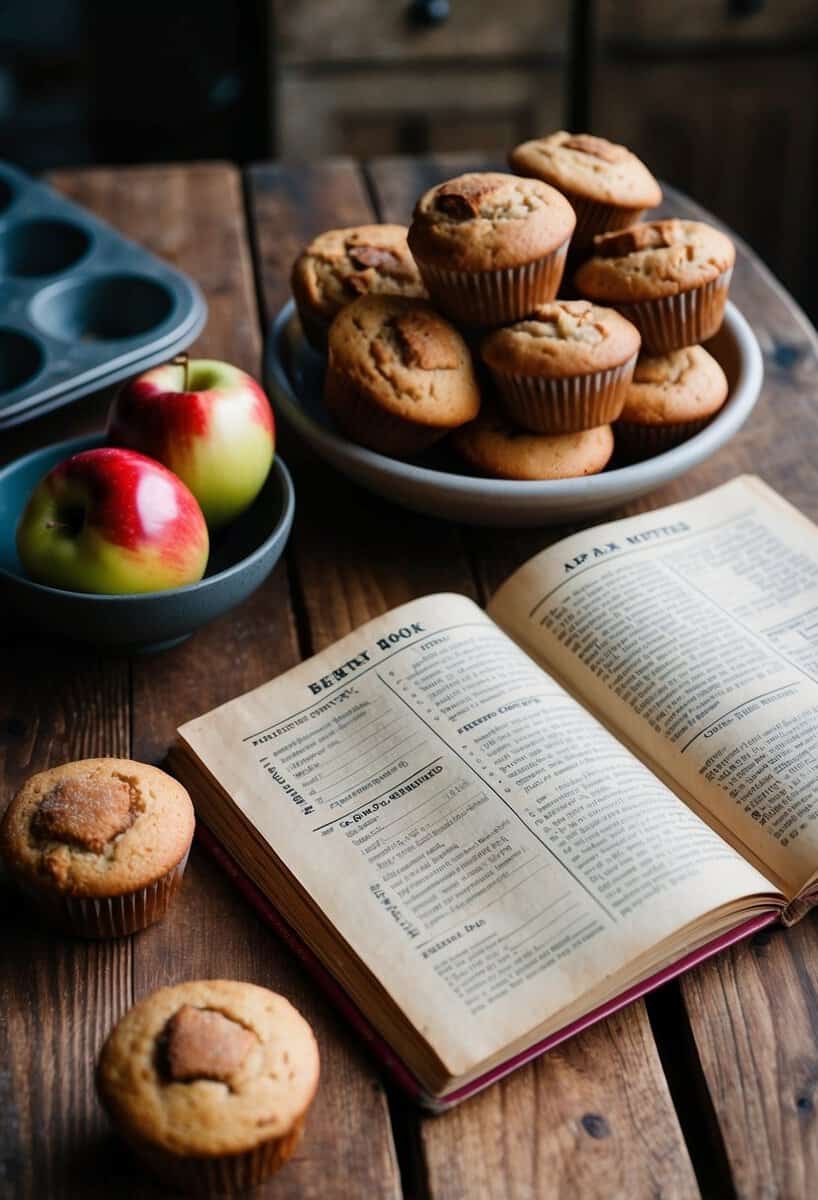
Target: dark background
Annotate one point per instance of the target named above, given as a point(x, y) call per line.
point(720, 97)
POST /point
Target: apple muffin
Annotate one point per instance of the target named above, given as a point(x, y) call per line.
point(342, 264)
point(493, 446)
point(210, 1082)
point(100, 846)
point(490, 246)
point(565, 367)
point(607, 185)
point(671, 398)
point(399, 376)
point(670, 278)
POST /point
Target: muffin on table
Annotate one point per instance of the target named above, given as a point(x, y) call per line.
point(492, 445)
point(342, 264)
point(671, 398)
point(670, 278)
point(490, 246)
point(608, 186)
point(565, 367)
point(99, 846)
point(209, 1082)
point(399, 376)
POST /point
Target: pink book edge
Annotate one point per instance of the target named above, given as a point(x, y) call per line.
point(383, 1051)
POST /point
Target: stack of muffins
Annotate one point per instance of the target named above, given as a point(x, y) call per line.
point(453, 327)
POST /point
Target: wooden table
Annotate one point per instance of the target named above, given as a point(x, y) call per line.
point(707, 1087)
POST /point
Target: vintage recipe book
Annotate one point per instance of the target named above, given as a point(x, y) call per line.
point(485, 830)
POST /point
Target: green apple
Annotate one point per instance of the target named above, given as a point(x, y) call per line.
point(208, 422)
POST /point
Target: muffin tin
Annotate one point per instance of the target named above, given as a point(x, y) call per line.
point(81, 307)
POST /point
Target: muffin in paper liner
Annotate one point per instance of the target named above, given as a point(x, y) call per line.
point(568, 404)
point(593, 217)
point(635, 441)
point(683, 319)
point(209, 1082)
point(99, 846)
point(495, 297)
point(363, 422)
point(399, 376)
point(224, 1174)
point(110, 916)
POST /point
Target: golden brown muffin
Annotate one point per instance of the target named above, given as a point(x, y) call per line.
point(671, 398)
point(670, 278)
point(99, 845)
point(564, 368)
point(342, 264)
point(490, 246)
point(491, 445)
point(399, 376)
point(607, 185)
point(209, 1082)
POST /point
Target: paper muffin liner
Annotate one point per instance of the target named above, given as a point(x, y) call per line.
point(566, 405)
point(686, 319)
point(233, 1174)
point(362, 420)
point(594, 217)
point(111, 916)
point(495, 297)
point(635, 442)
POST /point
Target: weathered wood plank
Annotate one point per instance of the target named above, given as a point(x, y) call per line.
point(194, 217)
point(758, 1064)
point(58, 995)
point(353, 564)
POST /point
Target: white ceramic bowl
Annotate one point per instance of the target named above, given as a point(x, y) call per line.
point(294, 376)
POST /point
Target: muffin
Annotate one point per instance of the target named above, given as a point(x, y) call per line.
point(209, 1082)
point(669, 277)
point(564, 368)
point(607, 185)
point(671, 398)
point(491, 445)
point(100, 846)
point(491, 247)
point(342, 264)
point(399, 377)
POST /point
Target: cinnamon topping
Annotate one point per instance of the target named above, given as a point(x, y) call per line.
point(88, 813)
point(200, 1043)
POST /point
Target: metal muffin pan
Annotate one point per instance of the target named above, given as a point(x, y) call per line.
point(81, 306)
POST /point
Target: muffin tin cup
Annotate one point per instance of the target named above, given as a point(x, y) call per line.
point(686, 319)
point(224, 1174)
point(566, 405)
point(83, 307)
point(114, 916)
point(371, 426)
point(635, 442)
point(495, 297)
point(594, 218)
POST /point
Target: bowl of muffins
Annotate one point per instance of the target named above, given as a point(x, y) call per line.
point(532, 349)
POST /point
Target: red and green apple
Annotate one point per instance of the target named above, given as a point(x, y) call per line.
point(207, 421)
point(112, 521)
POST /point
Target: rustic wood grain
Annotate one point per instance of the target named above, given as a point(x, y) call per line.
point(58, 995)
point(758, 1065)
point(211, 932)
point(352, 563)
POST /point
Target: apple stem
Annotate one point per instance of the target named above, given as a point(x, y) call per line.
point(182, 360)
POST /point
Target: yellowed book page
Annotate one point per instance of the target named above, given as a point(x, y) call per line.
point(485, 846)
point(694, 631)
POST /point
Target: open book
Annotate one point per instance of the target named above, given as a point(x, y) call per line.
point(488, 830)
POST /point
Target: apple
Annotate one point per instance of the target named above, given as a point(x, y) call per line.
point(112, 521)
point(208, 422)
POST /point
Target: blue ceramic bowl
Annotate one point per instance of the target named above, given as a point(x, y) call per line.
point(241, 558)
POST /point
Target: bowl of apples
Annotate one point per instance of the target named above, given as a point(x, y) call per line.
point(132, 539)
